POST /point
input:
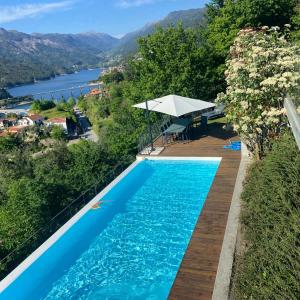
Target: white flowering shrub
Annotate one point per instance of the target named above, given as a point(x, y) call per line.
point(262, 69)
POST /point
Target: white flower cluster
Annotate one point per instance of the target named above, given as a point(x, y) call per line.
point(262, 70)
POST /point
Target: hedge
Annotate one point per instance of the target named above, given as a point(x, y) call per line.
point(269, 265)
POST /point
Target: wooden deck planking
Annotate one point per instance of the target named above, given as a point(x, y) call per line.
point(196, 276)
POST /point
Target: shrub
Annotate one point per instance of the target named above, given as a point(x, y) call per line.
point(270, 265)
point(58, 133)
point(261, 71)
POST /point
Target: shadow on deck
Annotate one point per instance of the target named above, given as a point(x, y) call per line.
point(208, 143)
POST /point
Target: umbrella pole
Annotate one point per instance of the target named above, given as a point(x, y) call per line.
point(149, 127)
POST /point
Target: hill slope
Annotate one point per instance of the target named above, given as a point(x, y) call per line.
point(25, 57)
point(189, 18)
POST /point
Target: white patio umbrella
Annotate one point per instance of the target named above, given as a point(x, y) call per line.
point(174, 105)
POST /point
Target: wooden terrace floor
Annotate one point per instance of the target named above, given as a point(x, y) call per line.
point(196, 276)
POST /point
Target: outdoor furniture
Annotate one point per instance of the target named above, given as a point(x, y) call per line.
point(179, 128)
point(165, 137)
point(234, 145)
point(176, 106)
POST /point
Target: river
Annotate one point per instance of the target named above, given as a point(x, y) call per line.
point(56, 87)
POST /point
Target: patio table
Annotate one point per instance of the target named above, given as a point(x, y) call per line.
point(178, 127)
point(175, 128)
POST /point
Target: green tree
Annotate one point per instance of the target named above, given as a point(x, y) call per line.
point(296, 24)
point(168, 64)
point(4, 94)
point(40, 105)
point(113, 77)
point(225, 19)
point(21, 214)
point(9, 142)
point(71, 102)
point(58, 133)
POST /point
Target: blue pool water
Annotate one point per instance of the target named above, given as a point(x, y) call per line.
point(130, 248)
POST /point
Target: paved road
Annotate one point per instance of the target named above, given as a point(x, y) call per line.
point(88, 132)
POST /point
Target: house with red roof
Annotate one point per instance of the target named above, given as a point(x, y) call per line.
point(62, 122)
point(31, 120)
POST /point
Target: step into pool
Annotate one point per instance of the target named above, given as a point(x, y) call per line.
point(127, 245)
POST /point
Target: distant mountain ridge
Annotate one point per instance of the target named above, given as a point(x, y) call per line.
point(25, 58)
point(189, 18)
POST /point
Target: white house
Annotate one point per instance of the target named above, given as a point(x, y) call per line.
point(62, 122)
point(31, 120)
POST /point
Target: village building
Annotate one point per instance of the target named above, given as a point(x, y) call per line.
point(31, 120)
point(95, 92)
point(7, 122)
point(62, 122)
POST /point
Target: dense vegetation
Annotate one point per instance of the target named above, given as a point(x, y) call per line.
point(54, 109)
point(33, 189)
point(4, 94)
point(269, 266)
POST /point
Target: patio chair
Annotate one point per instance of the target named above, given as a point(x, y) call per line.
point(165, 136)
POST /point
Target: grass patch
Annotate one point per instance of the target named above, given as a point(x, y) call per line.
point(269, 268)
point(54, 113)
point(106, 122)
point(222, 120)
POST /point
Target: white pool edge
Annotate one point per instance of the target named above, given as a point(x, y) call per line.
point(199, 158)
point(13, 275)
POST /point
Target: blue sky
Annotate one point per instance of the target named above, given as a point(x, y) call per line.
point(115, 17)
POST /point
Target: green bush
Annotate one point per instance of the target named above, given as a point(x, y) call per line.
point(269, 268)
point(58, 133)
point(40, 105)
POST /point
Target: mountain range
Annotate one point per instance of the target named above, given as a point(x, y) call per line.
point(189, 18)
point(25, 58)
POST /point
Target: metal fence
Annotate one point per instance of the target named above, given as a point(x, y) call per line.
point(144, 143)
point(14, 258)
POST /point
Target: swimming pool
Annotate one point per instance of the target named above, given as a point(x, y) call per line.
point(129, 248)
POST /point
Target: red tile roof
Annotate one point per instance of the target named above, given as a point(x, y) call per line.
point(16, 129)
point(36, 117)
point(57, 120)
point(95, 92)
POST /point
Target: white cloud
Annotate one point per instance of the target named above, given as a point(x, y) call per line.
point(134, 3)
point(15, 12)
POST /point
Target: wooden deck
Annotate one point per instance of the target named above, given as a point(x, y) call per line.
point(196, 276)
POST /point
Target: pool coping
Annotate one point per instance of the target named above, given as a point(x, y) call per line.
point(12, 276)
point(223, 278)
